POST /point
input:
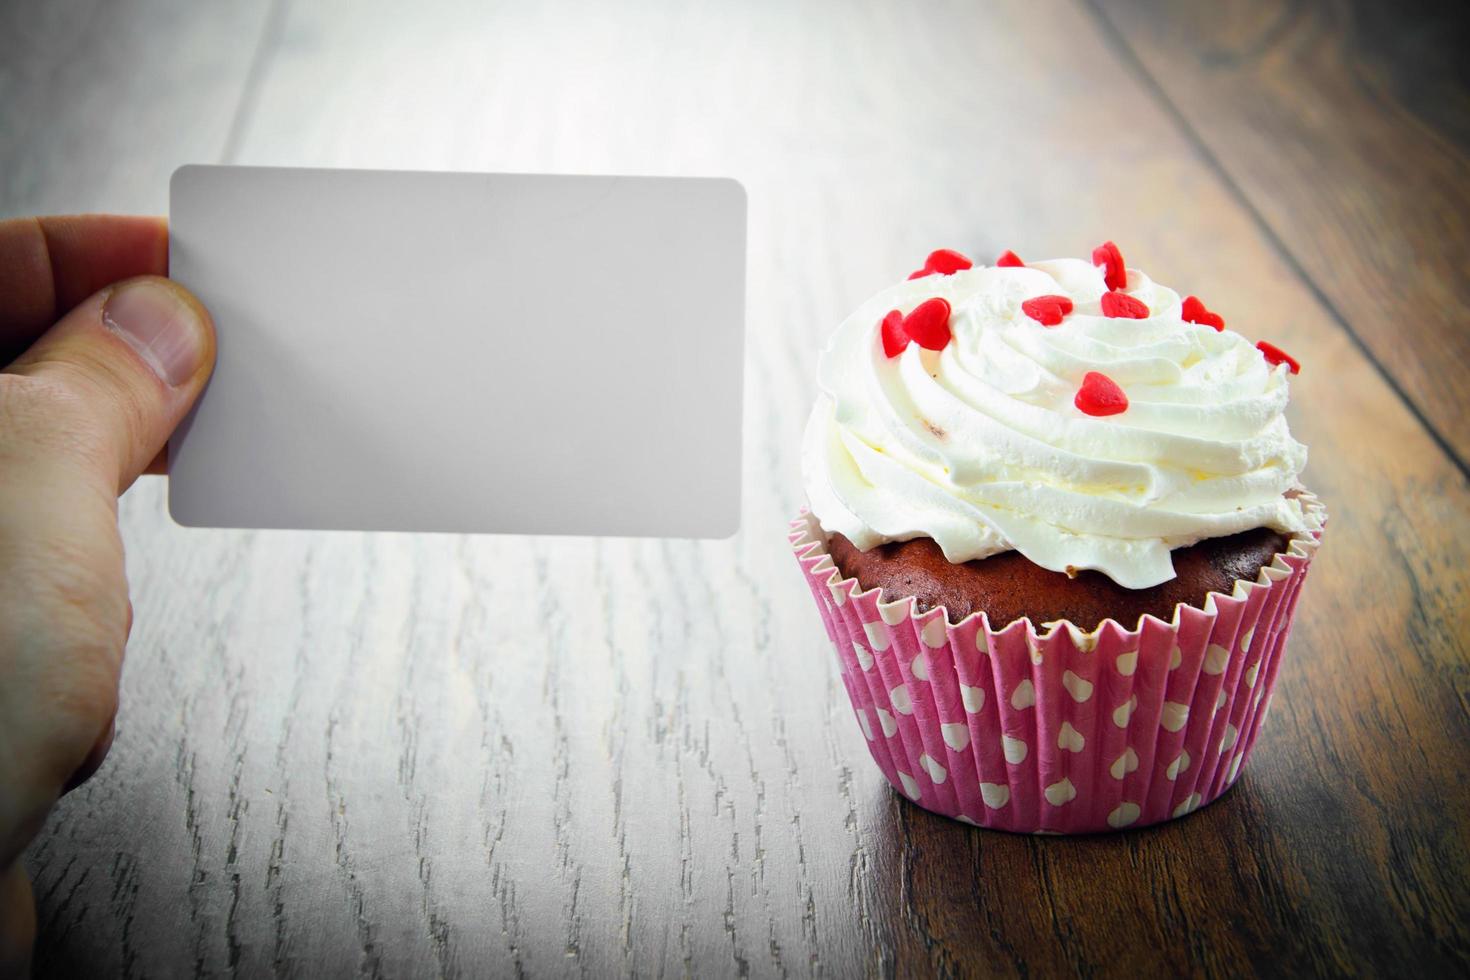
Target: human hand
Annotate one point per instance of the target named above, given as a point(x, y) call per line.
point(87, 401)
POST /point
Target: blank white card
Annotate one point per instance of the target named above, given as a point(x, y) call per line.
point(511, 353)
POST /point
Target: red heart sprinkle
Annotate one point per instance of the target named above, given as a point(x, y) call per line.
point(1009, 260)
point(921, 273)
point(1100, 395)
point(1116, 304)
point(894, 339)
point(1047, 310)
point(1275, 355)
point(946, 262)
point(928, 324)
point(1194, 311)
point(1115, 274)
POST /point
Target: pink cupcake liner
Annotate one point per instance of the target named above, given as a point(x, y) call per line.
point(1059, 731)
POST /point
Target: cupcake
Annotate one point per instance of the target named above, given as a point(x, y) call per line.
point(1056, 533)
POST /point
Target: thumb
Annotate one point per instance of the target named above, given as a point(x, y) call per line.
point(127, 364)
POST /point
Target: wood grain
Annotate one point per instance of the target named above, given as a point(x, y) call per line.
point(392, 755)
point(1344, 128)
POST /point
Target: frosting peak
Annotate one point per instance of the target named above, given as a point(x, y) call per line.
point(981, 445)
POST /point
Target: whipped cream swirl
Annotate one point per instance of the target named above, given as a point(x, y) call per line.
point(981, 447)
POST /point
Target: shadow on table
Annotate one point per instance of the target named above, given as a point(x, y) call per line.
point(1204, 892)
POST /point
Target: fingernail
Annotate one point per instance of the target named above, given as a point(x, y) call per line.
point(162, 325)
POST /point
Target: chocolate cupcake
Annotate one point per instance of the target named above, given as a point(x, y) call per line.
point(1056, 531)
point(1009, 586)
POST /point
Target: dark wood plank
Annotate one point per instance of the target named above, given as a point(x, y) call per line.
point(1345, 127)
point(407, 755)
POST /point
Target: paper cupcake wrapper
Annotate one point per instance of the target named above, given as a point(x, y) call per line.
point(1059, 730)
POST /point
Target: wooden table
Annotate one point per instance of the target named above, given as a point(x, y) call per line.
point(406, 755)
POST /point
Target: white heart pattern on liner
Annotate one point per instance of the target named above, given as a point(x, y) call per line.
point(877, 636)
point(1179, 765)
point(900, 699)
point(864, 657)
point(1176, 658)
point(1227, 741)
point(919, 669)
point(1079, 688)
point(1251, 672)
point(936, 772)
point(933, 634)
point(964, 819)
point(889, 723)
point(1245, 641)
point(1175, 715)
point(1024, 696)
point(1234, 768)
point(1124, 712)
point(839, 594)
point(1125, 763)
point(1059, 794)
point(1070, 738)
point(973, 697)
point(910, 785)
point(1014, 749)
point(1190, 804)
point(1216, 657)
point(995, 795)
point(1123, 815)
point(1127, 663)
point(893, 614)
point(981, 644)
point(864, 724)
point(956, 735)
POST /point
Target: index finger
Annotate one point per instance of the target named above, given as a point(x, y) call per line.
point(49, 265)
